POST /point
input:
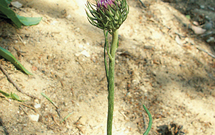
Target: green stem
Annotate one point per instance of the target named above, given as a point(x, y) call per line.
point(106, 46)
point(111, 81)
point(150, 121)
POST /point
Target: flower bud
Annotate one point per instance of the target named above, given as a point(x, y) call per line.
point(108, 14)
point(104, 3)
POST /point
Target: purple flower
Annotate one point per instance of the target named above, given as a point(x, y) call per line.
point(104, 3)
point(108, 14)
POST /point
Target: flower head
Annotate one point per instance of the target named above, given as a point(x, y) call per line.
point(104, 3)
point(108, 14)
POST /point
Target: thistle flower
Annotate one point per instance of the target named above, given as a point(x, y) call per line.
point(108, 14)
point(104, 3)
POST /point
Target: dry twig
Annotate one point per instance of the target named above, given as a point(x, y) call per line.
point(20, 39)
point(142, 4)
point(213, 56)
point(35, 110)
point(14, 84)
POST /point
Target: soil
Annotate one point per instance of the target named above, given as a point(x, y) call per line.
point(160, 63)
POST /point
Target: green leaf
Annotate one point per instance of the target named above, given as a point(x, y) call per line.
point(66, 117)
point(12, 95)
point(6, 12)
point(2, 15)
point(5, 94)
point(188, 17)
point(10, 14)
point(5, 3)
point(28, 21)
point(15, 97)
point(8, 1)
point(8, 56)
point(43, 94)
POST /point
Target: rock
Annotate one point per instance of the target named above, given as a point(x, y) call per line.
point(34, 117)
point(208, 25)
point(131, 125)
point(16, 4)
point(210, 40)
point(68, 16)
point(178, 40)
point(37, 106)
point(202, 6)
point(128, 95)
point(83, 120)
point(85, 53)
point(54, 22)
point(143, 89)
point(197, 30)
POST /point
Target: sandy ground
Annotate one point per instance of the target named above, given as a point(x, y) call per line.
point(158, 64)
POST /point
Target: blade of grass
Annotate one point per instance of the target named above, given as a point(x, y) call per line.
point(43, 94)
point(11, 95)
point(8, 56)
point(66, 117)
point(5, 94)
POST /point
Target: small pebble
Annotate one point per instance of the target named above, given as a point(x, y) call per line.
point(85, 53)
point(34, 117)
point(202, 6)
point(16, 4)
point(143, 89)
point(37, 106)
point(210, 40)
point(68, 16)
point(208, 25)
point(54, 22)
point(211, 8)
point(128, 94)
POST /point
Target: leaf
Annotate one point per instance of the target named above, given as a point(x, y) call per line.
point(66, 117)
point(6, 12)
point(2, 15)
point(5, 94)
point(8, 1)
point(188, 17)
point(28, 21)
point(5, 3)
point(15, 97)
point(8, 56)
point(10, 14)
point(43, 94)
point(12, 95)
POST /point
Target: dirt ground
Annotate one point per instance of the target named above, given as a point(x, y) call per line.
point(160, 62)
